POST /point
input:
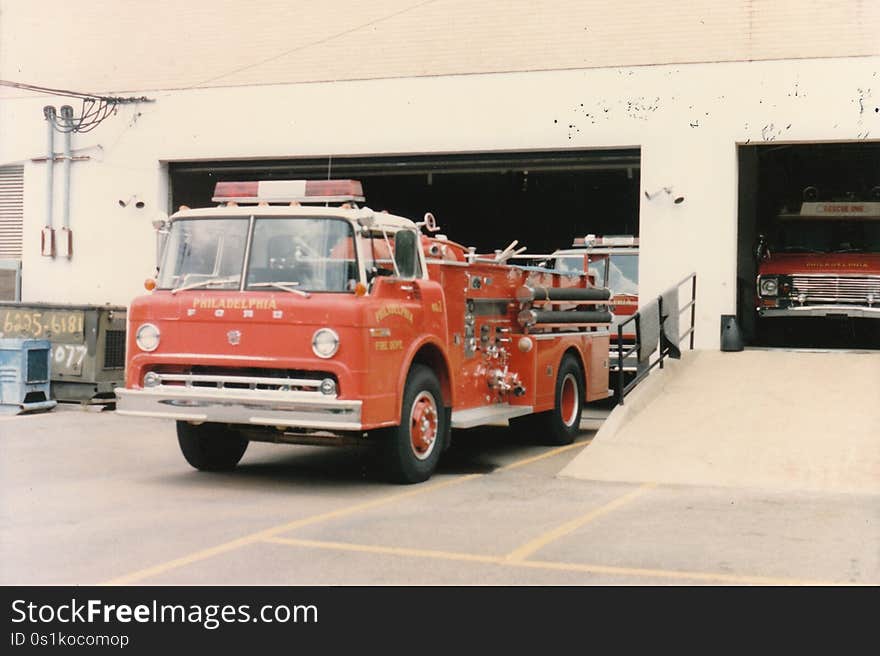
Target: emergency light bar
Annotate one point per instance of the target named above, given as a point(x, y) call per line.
point(289, 191)
point(610, 240)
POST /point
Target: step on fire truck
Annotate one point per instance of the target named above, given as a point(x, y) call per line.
point(319, 321)
point(823, 261)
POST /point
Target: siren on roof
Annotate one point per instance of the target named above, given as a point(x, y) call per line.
point(289, 191)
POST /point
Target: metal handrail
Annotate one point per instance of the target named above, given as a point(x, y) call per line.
point(665, 348)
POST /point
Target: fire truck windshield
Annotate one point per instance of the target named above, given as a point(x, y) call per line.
point(204, 253)
point(315, 254)
point(310, 254)
point(828, 236)
point(623, 274)
point(617, 271)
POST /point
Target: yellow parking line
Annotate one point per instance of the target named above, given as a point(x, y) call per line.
point(281, 528)
point(545, 565)
point(392, 551)
point(526, 550)
point(546, 454)
point(251, 538)
point(668, 574)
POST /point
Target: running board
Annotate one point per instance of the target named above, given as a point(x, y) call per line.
point(487, 415)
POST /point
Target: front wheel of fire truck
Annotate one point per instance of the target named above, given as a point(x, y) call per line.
point(413, 447)
point(210, 447)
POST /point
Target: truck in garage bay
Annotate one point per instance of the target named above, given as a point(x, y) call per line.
point(613, 261)
point(289, 313)
point(822, 261)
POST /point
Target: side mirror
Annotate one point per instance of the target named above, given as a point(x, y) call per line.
point(762, 252)
point(162, 226)
point(405, 245)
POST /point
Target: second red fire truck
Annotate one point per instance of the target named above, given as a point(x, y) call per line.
point(823, 261)
point(290, 314)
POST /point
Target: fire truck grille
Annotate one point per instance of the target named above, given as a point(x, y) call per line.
point(244, 379)
point(837, 289)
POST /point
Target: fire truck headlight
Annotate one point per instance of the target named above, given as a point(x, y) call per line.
point(152, 379)
point(769, 287)
point(328, 387)
point(147, 337)
point(325, 343)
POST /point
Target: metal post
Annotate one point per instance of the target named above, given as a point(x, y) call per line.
point(47, 234)
point(66, 118)
point(660, 312)
point(620, 364)
point(65, 243)
point(49, 114)
point(693, 308)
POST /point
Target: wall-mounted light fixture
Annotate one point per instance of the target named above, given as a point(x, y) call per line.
point(138, 203)
point(668, 190)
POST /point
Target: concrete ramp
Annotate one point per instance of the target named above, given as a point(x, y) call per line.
point(790, 420)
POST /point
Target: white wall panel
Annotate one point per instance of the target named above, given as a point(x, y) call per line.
point(687, 119)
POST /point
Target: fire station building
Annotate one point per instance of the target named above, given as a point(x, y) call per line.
point(687, 124)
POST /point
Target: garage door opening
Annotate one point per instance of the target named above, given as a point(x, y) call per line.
point(809, 245)
point(485, 200)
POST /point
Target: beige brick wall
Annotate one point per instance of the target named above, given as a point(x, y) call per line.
point(129, 44)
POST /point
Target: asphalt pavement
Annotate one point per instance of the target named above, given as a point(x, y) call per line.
point(90, 497)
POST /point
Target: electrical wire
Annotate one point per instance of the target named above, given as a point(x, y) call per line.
point(94, 110)
point(327, 39)
point(311, 44)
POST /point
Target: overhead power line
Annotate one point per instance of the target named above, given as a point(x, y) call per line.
point(94, 109)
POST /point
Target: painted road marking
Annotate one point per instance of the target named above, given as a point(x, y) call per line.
point(546, 565)
point(258, 536)
point(378, 549)
point(526, 550)
point(548, 454)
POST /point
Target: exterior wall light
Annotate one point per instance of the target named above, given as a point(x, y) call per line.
point(678, 200)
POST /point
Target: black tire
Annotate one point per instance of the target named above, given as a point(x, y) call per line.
point(210, 447)
point(413, 448)
point(562, 424)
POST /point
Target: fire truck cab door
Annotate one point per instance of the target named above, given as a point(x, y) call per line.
point(410, 307)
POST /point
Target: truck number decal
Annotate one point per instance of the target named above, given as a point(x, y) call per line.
point(41, 324)
point(69, 357)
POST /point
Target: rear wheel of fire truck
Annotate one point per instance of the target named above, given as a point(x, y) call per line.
point(562, 424)
point(413, 448)
point(210, 447)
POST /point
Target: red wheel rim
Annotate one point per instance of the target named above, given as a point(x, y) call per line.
point(423, 422)
point(569, 401)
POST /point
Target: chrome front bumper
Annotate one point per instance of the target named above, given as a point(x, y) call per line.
point(259, 407)
point(822, 311)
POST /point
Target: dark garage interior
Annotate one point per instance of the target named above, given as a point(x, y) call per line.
point(486, 200)
point(772, 180)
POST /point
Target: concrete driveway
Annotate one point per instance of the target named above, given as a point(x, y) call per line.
point(797, 420)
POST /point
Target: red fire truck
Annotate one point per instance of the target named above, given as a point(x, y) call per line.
point(613, 261)
point(821, 261)
point(319, 321)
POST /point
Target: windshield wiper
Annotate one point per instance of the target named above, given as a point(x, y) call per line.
point(286, 286)
point(207, 283)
